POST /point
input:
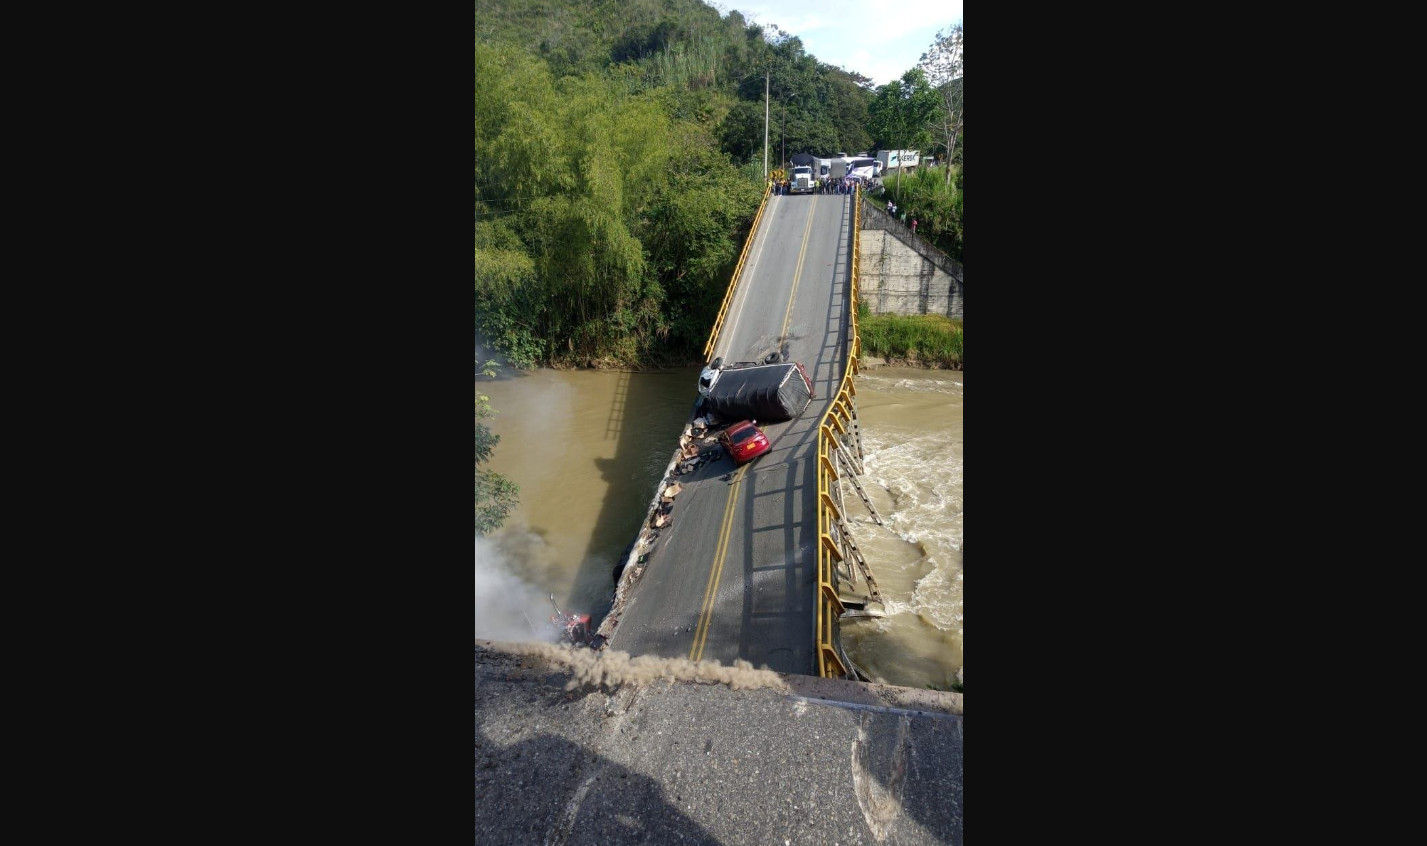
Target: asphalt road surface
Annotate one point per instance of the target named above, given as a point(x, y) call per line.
point(804, 761)
point(733, 577)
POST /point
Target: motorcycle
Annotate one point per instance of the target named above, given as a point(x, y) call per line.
point(573, 628)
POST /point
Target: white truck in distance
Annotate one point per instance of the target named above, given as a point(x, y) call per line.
point(890, 159)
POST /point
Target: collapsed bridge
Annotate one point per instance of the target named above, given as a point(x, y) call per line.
point(756, 562)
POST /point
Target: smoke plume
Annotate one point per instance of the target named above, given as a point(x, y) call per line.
point(507, 607)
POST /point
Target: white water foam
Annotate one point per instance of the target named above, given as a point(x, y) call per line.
point(942, 386)
point(923, 477)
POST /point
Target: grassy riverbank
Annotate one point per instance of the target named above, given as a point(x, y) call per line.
point(925, 340)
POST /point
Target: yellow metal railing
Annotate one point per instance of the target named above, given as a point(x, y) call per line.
point(737, 271)
point(829, 605)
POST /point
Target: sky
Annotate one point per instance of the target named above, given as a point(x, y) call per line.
point(878, 40)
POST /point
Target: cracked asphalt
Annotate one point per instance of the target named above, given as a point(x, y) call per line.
point(823, 761)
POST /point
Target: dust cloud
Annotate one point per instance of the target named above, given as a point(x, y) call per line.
point(506, 606)
point(609, 669)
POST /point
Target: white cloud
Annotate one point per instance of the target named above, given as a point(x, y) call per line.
point(879, 42)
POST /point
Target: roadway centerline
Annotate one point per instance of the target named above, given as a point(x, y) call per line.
point(740, 298)
point(797, 275)
point(696, 652)
point(701, 633)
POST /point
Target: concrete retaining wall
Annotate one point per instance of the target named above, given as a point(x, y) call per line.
point(902, 274)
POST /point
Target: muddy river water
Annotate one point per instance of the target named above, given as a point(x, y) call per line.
point(588, 448)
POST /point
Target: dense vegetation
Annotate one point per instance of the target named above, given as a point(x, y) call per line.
point(619, 160)
point(604, 221)
point(923, 195)
point(932, 340)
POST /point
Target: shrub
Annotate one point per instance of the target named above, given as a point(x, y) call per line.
point(925, 338)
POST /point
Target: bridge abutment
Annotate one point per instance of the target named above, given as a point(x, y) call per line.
point(901, 273)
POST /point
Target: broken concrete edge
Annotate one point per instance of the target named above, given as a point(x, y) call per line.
point(612, 669)
point(631, 571)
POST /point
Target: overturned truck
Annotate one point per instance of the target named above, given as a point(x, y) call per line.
point(768, 392)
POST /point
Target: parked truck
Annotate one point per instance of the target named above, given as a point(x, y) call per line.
point(900, 159)
point(801, 181)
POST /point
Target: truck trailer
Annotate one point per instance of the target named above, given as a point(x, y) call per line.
point(748, 390)
point(899, 159)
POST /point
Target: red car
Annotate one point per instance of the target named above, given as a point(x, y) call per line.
point(744, 441)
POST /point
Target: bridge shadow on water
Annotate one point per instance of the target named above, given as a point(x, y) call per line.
point(647, 413)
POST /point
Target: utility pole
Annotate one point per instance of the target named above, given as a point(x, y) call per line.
point(765, 123)
point(784, 130)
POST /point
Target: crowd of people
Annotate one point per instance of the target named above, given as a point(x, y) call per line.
point(826, 185)
point(848, 185)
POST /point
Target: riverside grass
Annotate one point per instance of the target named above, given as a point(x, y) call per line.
point(930, 340)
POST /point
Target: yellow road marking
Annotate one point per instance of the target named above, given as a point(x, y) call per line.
point(701, 634)
point(797, 275)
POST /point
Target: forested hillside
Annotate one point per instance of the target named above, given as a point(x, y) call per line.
point(618, 164)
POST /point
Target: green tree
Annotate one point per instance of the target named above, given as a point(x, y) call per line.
point(741, 133)
point(847, 117)
point(900, 112)
point(495, 494)
point(937, 207)
point(605, 215)
point(943, 67)
point(567, 163)
point(692, 230)
point(507, 292)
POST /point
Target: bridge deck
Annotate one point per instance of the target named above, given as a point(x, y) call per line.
point(733, 577)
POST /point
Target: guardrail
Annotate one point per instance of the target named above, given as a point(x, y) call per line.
point(839, 414)
point(737, 271)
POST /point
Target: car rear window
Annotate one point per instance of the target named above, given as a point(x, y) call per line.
point(743, 434)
